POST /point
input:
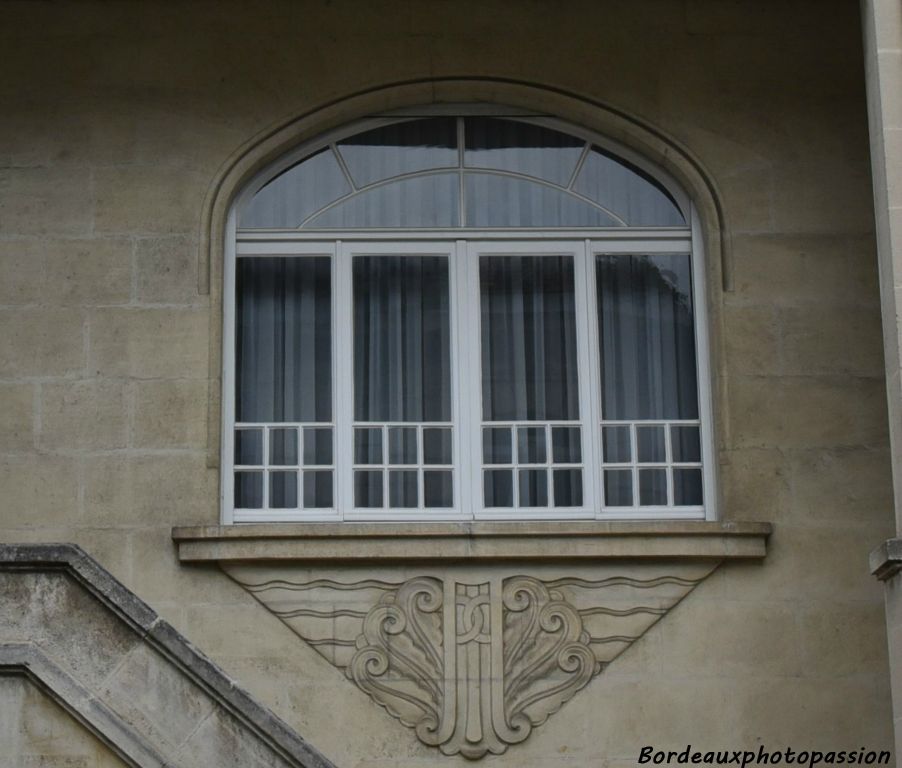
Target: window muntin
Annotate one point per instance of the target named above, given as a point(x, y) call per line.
point(481, 463)
point(461, 172)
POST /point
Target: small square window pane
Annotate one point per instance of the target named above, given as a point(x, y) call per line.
point(437, 446)
point(496, 446)
point(652, 487)
point(248, 490)
point(531, 445)
point(283, 447)
point(283, 490)
point(565, 445)
point(318, 490)
point(402, 488)
point(618, 488)
point(368, 446)
point(402, 445)
point(498, 488)
point(685, 443)
point(650, 444)
point(249, 446)
point(687, 487)
point(568, 487)
point(317, 446)
point(437, 489)
point(533, 487)
point(616, 445)
point(367, 489)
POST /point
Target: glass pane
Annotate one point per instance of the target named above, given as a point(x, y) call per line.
point(402, 488)
point(423, 201)
point(687, 487)
point(652, 487)
point(367, 489)
point(685, 444)
point(283, 341)
point(616, 445)
point(521, 147)
point(317, 490)
point(248, 446)
point(402, 445)
point(367, 446)
point(565, 445)
point(533, 487)
point(283, 490)
point(528, 338)
point(650, 444)
point(402, 339)
point(391, 150)
point(531, 445)
point(568, 488)
point(437, 489)
point(317, 446)
point(287, 200)
point(283, 446)
point(628, 192)
point(647, 337)
point(618, 488)
point(437, 446)
point(496, 445)
point(248, 490)
point(502, 201)
point(498, 488)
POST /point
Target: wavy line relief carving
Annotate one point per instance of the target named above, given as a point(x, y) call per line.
point(472, 668)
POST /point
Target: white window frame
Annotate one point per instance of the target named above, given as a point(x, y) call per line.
point(459, 245)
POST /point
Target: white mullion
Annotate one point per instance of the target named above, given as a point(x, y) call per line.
point(266, 470)
point(668, 460)
point(593, 459)
point(584, 324)
point(473, 336)
point(343, 356)
point(463, 426)
point(421, 482)
point(383, 429)
point(634, 460)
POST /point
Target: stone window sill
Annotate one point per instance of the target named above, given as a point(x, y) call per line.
point(470, 542)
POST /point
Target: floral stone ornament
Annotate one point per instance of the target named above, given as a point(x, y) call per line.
point(472, 662)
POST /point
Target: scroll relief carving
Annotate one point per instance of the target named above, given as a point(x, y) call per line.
point(471, 667)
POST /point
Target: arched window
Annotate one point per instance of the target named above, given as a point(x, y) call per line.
point(464, 317)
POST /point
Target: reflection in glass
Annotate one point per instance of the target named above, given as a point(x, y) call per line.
point(531, 445)
point(436, 446)
point(414, 145)
point(652, 487)
point(498, 488)
point(248, 446)
point(423, 201)
point(402, 339)
point(367, 446)
point(402, 488)
point(650, 444)
point(437, 489)
point(292, 196)
point(283, 339)
point(283, 446)
point(565, 445)
point(510, 145)
point(628, 192)
point(528, 338)
point(496, 445)
point(317, 446)
point(283, 490)
point(533, 488)
point(248, 490)
point(367, 488)
point(568, 487)
point(502, 201)
point(317, 490)
point(618, 488)
point(647, 337)
point(402, 445)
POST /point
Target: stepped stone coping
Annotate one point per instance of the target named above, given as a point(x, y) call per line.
point(28, 659)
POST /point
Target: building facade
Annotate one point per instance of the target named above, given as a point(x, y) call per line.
point(191, 578)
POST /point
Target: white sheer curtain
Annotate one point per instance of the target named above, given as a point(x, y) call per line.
point(402, 339)
point(647, 337)
point(529, 365)
point(283, 339)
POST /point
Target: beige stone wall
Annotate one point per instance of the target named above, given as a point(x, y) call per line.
point(36, 732)
point(116, 118)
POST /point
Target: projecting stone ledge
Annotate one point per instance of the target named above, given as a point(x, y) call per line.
point(127, 675)
point(471, 542)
